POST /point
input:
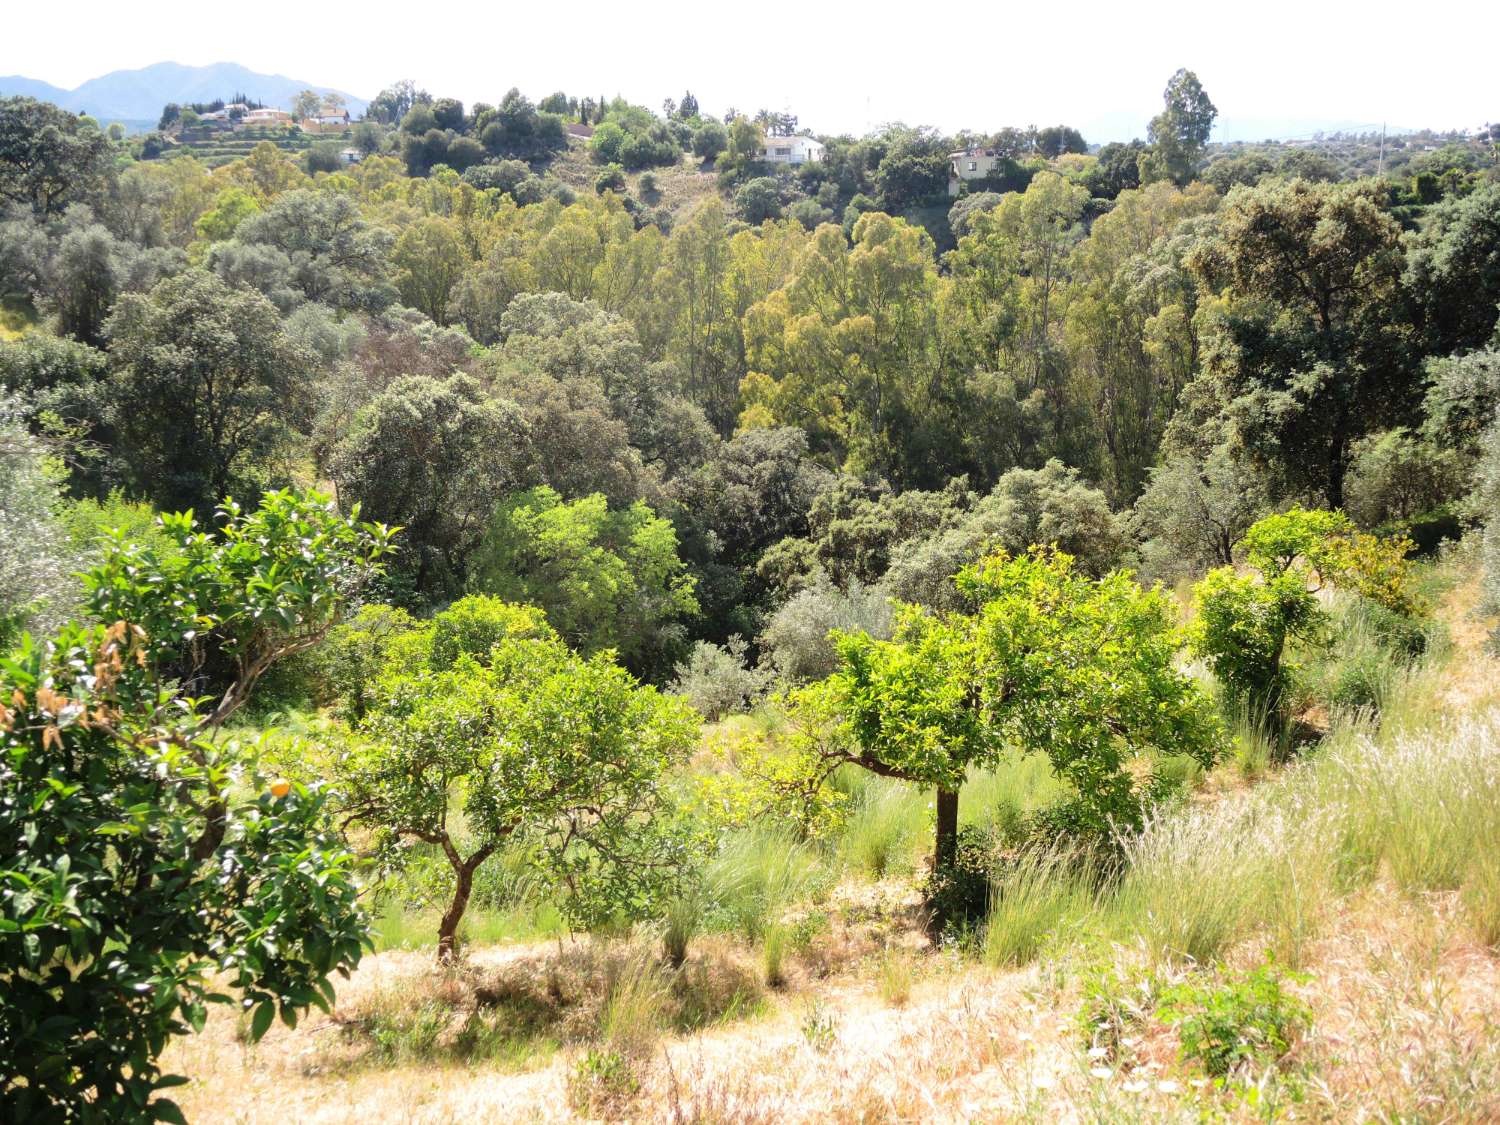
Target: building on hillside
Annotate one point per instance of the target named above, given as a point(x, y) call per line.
point(791, 150)
point(970, 164)
point(349, 156)
point(266, 117)
point(327, 122)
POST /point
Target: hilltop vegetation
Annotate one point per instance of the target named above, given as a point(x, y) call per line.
point(560, 521)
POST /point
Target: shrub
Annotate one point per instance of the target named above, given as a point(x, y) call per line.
point(1244, 624)
point(150, 868)
point(612, 178)
point(1395, 476)
point(1488, 493)
point(797, 637)
point(1052, 505)
point(474, 625)
point(717, 681)
point(759, 200)
point(1113, 1008)
point(647, 186)
point(959, 892)
point(1247, 1019)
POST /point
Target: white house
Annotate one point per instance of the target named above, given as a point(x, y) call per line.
point(970, 164)
point(267, 117)
point(791, 150)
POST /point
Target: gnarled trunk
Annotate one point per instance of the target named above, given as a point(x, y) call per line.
point(463, 887)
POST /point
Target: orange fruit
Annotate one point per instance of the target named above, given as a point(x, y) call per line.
point(280, 787)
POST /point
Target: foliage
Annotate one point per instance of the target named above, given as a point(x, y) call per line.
point(1193, 513)
point(1311, 353)
point(718, 681)
point(1243, 624)
point(35, 557)
point(433, 456)
point(532, 744)
point(48, 158)
point(1395, 476)
point(1453, 271)
point(1028, 507)
point(607, 579)
point(1179, 133)
point(205, 383)
point(1052, 662)
point(958, 892)
point(1251, 1019)
point(149, 864)
point(798, 637)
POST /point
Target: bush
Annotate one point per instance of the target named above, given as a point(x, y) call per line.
point(717, 681)
point(759, 200)
point(796, 639)
point(959, 892)
point(710, 139)
point(474, 625)
point(1488, 494)
point(647, 186)
point(1051, 505)
point(1396, 476)
point(1247, 1019)
point(502, 175)
point(612, 178)
point(810, 213)
point(150, 868)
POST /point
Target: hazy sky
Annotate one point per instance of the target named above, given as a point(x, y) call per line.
point(841, 68)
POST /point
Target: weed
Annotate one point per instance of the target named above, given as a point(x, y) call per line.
point(773, 953)
point(602, 1081)
point(1114, 1009)
point(895, 978)
point(1247, 1019)
point(818, 1026)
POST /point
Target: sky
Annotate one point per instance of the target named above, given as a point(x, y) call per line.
point(840, 68)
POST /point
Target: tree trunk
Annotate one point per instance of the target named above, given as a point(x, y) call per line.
point(448, 928)
point(947, 829)
point(945, 852)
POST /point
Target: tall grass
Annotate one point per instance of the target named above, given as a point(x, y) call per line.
point(1036, 899)
point(1419, 805)
point(887, 827)
point(1003, 798)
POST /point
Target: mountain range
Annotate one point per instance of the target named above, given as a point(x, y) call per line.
point(136, 97)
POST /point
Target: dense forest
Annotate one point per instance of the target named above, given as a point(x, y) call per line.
point(382, 518)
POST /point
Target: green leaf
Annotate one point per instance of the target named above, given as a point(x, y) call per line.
point(260, 1023)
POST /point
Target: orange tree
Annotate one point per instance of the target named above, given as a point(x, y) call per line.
point(144, 863)
point(1053, 662)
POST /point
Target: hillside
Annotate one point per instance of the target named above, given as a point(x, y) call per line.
point(867, 1023)
point(136, 97)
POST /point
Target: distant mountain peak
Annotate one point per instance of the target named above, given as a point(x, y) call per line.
point(137, 96)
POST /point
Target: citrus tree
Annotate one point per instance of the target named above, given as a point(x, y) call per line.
point(1245, 621)
point(526, 742)
point(1053, 662)
point(146, 868)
